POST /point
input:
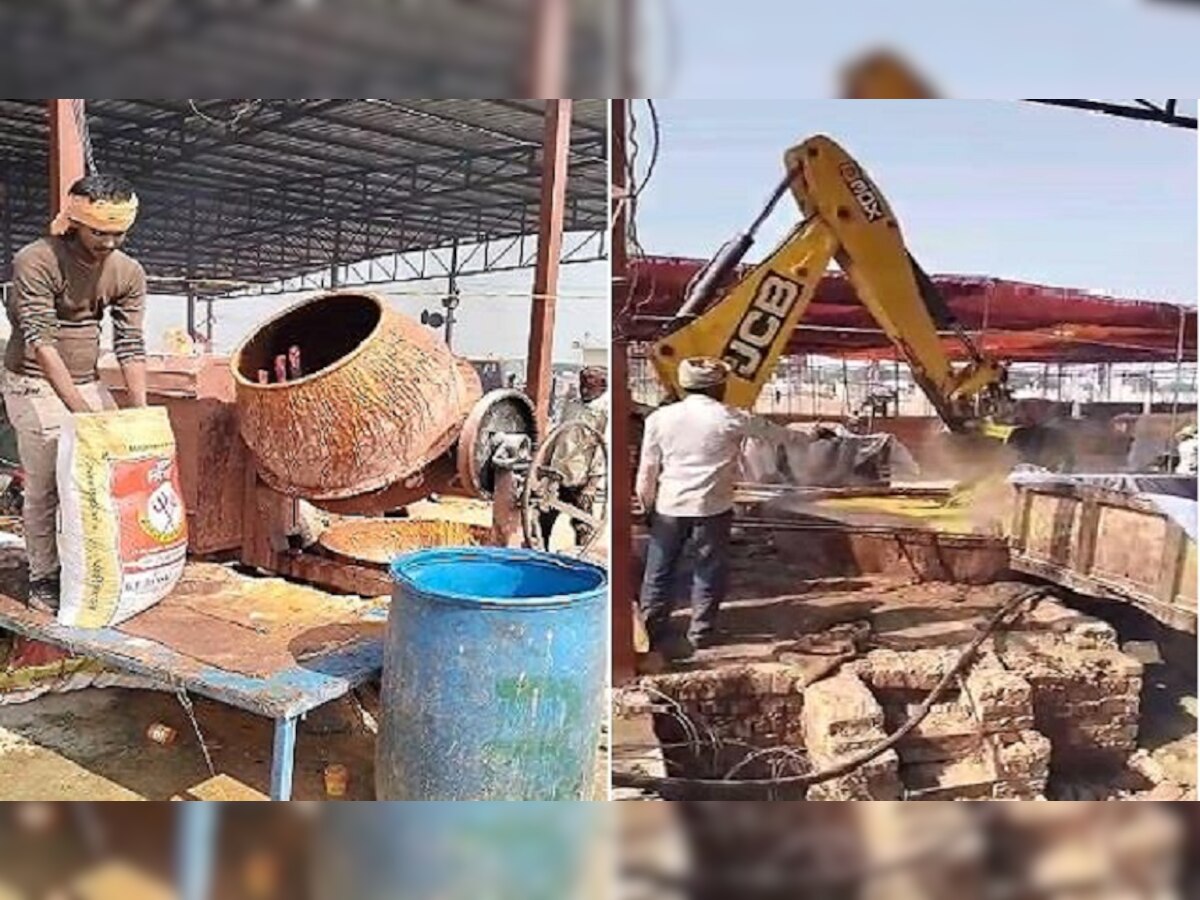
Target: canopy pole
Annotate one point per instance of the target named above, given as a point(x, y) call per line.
point(1178, 369)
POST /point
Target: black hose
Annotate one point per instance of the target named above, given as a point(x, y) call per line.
point(673, 787)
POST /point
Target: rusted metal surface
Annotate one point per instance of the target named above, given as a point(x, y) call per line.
point(333, 575)
point(384, 399)
point(322, 662)
point(548, 53)
point(846, 551)
point(556, 144)
point(439, 477)
point(252, 626)
point(620, 465)
point(378, 541)
point(1107, 544)
point(500, 412)
point(198, 395)
point(66, 151)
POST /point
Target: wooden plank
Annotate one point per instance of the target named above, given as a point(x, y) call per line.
point(1107, 544)
point(1169, 614)
point(1171, 571)
point(1086, 534)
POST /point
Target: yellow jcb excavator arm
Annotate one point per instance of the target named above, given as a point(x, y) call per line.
point(846, 219)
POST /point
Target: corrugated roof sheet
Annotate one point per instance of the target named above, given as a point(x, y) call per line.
point(263, 189)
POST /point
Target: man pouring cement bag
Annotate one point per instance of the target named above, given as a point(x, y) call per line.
point(62, 285)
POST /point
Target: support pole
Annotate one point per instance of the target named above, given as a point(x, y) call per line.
point(209, 322)
point(6, 205)
point(66, 151)
point(538, 366)
point(551, 34)
point(620, 462)
point(335, 264)
point(1178, 370)
point(191, 310)
point(451, 301)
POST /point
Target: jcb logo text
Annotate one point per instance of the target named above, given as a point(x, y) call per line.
point(751, 342)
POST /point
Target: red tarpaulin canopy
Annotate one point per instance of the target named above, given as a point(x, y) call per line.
point(1012, 320)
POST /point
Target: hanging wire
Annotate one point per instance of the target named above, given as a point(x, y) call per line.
point(240, 112)
point(637, 252)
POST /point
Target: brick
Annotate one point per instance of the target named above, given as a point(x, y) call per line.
point(948, 732)
point(876, 780)
point(840, 715)
point(906, 670)
point(1000, 700)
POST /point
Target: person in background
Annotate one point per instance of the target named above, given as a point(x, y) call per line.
point(685, 482)
point(572, 459)
point(1188, 451)
point(62, 285)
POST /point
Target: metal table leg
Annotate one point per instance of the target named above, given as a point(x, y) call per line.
point(283, 758)
point(195, 853)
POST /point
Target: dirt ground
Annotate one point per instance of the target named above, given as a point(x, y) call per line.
point(92, 744)
point(775, 605)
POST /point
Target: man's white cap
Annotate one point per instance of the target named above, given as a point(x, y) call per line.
point(701, 372)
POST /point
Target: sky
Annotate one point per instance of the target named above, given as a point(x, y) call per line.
point(1056, 48)
point(493, 319)
point(999, 188)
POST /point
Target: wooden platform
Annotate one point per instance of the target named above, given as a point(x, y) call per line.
point(263, 645)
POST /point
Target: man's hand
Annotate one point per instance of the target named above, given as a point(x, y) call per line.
point(134, 372)
point(56, 373)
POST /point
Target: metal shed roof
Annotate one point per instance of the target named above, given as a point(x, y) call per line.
point(262, 190)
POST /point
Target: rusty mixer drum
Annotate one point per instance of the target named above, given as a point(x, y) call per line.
point(380, 398)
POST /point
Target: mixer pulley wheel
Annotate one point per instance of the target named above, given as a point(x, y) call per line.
point(567, 479)
point(500, 428)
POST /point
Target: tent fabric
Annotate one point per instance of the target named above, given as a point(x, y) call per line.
point(1012, 320)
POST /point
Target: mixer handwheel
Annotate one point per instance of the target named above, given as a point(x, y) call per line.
point(568, 478)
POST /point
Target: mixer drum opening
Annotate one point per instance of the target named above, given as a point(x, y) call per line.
point(327, 330)
point(379, 398)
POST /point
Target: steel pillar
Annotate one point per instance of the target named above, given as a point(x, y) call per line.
point(620, 468)
point(538, 365)
point(66, 151)
point(551, 32)
point(335, 263)
point(191, 311)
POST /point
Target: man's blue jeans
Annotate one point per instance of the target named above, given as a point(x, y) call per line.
point(669, 537)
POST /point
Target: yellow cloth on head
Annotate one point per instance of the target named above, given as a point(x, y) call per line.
point(99, 215)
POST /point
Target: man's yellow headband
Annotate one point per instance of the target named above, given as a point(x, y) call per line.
point(99, 215)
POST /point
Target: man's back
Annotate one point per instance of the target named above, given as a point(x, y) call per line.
point(692, 447)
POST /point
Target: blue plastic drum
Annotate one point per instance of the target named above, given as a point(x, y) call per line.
point(493, 676)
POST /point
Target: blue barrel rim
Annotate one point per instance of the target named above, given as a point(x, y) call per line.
point(497, 554)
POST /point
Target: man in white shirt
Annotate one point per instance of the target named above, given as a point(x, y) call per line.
point(685, 481)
